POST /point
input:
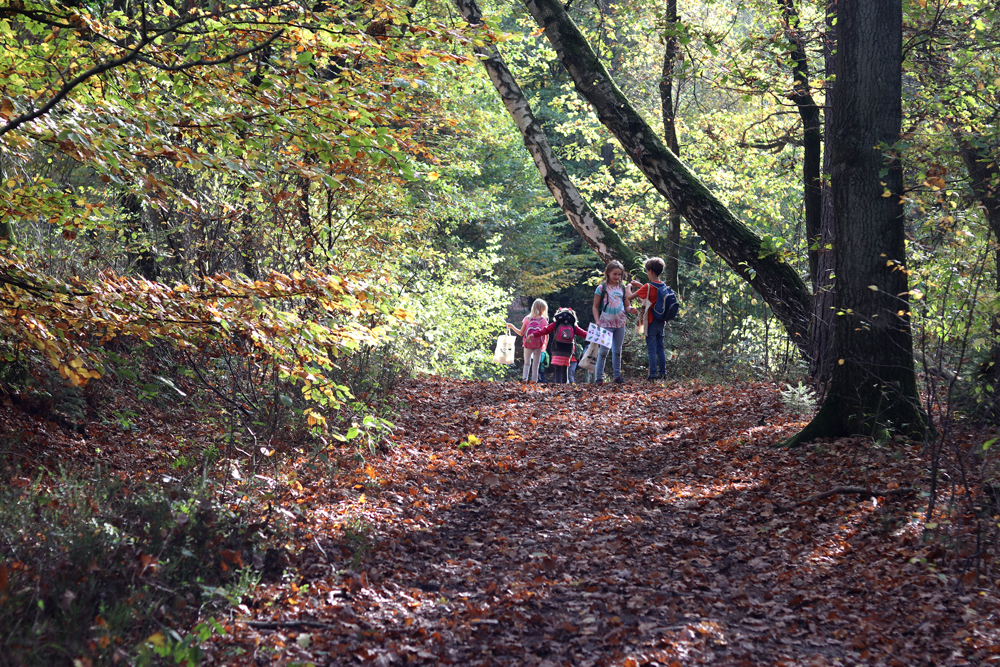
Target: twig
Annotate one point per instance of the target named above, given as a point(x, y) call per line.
point(857, 490)
point(277, 625)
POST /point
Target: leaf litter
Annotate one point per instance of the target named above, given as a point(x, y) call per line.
point(516, 524)
point(647, 525)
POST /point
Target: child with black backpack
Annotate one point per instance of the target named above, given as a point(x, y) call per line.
point(662, 308)
point(563, 342)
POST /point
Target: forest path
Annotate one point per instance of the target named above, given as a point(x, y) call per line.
point(635, 525)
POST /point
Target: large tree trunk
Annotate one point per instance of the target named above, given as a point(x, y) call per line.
point(873, 388)
point(595, 232)
point(672, 260)
point(776, 281)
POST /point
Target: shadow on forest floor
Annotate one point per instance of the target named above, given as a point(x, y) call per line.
point(647, 524)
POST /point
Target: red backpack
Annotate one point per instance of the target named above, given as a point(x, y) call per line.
point(565, 333)
point(534, 325)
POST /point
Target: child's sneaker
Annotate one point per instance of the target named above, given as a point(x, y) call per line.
point(619, 381)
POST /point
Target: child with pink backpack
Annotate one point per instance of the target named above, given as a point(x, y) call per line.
point(533, 345)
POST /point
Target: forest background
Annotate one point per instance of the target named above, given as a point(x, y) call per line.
point(283, 209)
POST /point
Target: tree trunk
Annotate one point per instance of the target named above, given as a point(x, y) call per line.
point(984, 175)
point(145, 258)
point(824, 292)
point(595, 232)
point(777, 282)
point(812, 136)
point(873, 389)
point(672, 260)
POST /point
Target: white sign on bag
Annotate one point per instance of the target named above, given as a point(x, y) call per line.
point(596, 334)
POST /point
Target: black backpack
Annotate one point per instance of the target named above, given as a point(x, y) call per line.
point(565, 322)
point(666, 306)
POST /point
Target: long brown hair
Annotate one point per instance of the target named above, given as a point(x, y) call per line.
point(612, 265)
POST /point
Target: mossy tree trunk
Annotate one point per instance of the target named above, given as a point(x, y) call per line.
point(595, 232)
point(873, 387)
point(777, 282)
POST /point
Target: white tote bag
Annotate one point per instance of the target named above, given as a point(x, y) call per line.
point(589, 360)
point(640, 324)
point(504, 354)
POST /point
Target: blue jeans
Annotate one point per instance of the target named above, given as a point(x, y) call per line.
point(572, 372)
point(617, 338)
point(654, 348)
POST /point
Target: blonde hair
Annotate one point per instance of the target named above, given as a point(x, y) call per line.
point(539, 308)
point(612, 265)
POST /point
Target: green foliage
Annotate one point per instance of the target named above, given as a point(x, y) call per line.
point(799, 399)
point(93, 566)
point(175, 648)
point(458, 312)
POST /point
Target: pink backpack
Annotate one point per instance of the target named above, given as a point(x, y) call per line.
point(534, 325)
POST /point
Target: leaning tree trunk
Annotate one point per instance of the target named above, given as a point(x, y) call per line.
point(595, 232)
point(777, 282)
point(873, 389)
point(672, 260)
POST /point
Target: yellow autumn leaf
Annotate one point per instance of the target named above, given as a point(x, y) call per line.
point(433, 176)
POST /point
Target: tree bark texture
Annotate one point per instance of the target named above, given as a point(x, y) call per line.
point(595, 232)
point(672, 260)
point(812, 134)
point(734, 242)
point(824, 290)
point(873, 388)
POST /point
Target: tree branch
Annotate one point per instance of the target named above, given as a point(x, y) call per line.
point(595, 231)
point(739, 246)
point(236, 55)
point(842, 490)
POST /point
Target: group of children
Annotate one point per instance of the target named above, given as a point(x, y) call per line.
point(612, 302)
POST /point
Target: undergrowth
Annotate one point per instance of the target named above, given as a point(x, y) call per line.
point(94, 568)
point(101, 566)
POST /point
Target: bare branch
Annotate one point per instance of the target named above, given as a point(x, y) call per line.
point(842, 490)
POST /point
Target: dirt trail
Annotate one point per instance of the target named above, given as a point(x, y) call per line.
point(617, 526)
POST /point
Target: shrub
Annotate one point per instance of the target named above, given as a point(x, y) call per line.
point(93, 567)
